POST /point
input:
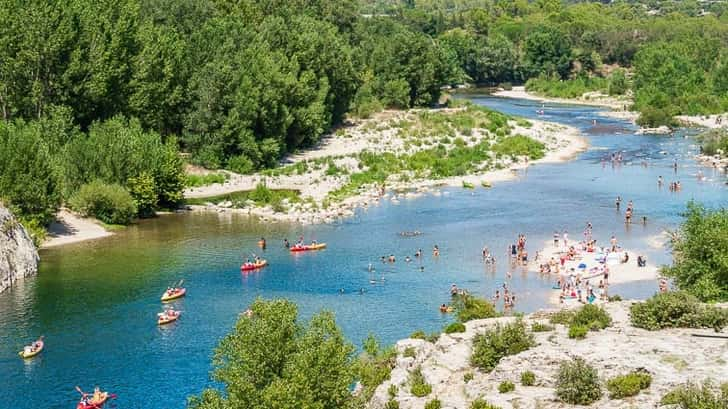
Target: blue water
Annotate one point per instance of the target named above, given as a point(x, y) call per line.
point(96, 302)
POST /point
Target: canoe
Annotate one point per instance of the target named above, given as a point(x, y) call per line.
point(253, 266)
point(309, 247)
point(468, 185)
point(169, 297)
point(94, 405)
point(486, 184)
point(33, 353)
point(166, 319)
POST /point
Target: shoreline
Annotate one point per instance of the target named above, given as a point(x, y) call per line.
point(595, 99)
point(70, 228)
point(562, 143)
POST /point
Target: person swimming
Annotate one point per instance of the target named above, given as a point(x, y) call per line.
point(436, 251)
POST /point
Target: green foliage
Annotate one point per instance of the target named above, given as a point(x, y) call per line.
point(714, 142)
point(469, 308)
point(592, 317)
point(409, 352)
point(519, 145)
point(205, 180)
point(261, 196)
point(391, 404)
point(528, 378)
point(577, 331)
point(577, 383)
point(143, 192)
point(273, 360)
point(111, 204)
point(558, 88)
point(418, 386)
point(563, 317)
point(433, 404)
point(700, 252)
point(541, 327)
point(392, 391)
point(617, 83)
point(455, 327)
point(547, 51)
point(498, 342)
point(467, 377)
point(677, 310)
point(631, 384)
point(419, 334)
point(506, 386)
point(482, 404)
point(696, 396)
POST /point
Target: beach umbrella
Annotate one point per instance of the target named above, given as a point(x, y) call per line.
point(582, 265)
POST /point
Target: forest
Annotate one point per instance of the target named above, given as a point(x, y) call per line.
point(103, 102)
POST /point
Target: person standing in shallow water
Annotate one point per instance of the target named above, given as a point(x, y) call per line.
point(618, 202)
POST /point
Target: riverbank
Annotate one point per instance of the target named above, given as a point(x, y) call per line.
point(326, 176)
point(70, 228)
point(617, 105)
point(671, 356)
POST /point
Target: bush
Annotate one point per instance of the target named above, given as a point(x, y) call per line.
point(693, 396)
point(563, 317)
point(481, 404)
point(699, 250)
point(392, 391)
point(112, 204)
point(205, 180)
point(623, 386)
point(455, 327)
point(373, 366)
point(506, 386)
point(578, 383)
point(419, 334)
point(473, 308)
point(577, 331)
point(528, 378)
point(467, 377)
point(614, 298)
point(391, 404)
point(433, 404)
point(540, 327)
point(593, 317)
point(519, 145)
point(617, 83)
point(418, 386)
point(654, 117)
point(409, 352)
point(503, 340)
point(677, 310)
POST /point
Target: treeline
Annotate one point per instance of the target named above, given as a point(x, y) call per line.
point(237, 84)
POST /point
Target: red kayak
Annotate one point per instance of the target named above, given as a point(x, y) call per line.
point(253, 266)
point(87, 401)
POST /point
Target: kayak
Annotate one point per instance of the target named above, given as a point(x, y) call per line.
point(166, 318)
point(486, 184)
point(253, 266)
point(309, 247)
point(93, 405)
point(174, 295)
point(31, 354)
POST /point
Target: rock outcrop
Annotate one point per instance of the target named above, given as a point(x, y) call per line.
point(18, 255)
point(671, 356)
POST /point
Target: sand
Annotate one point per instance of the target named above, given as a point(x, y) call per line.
point(705, 121)
point(375, 135)
point(70, 228)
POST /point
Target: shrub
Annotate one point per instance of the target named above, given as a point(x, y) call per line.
point(623, 386)
point(111, 204)
point(563, 317)
point(699, 250)
point(373, 366)
point(519, 145)
point(676, 310)
point(694, 396)
point(409, 352)
point(481, 404)
point(433, 404)
point(501, 341)
point(506, 386)
point(455, 327)
point(205, 180)
point(419, 334)
point(418, 386)
point(467, 377)
point(392, 391)
point(541, 327)
point(391, 404)
point(577, 331)
point(578, 383)
point(593, 317)
point(528, 378)
point(613, 298)
point(473, 308)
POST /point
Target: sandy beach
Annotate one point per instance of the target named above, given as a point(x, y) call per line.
point(379, 135)
point(619, 273)
point(705, 121)
point(70, 228)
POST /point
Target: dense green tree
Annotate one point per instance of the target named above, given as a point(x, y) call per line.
point(272, 360)
point(547, 51)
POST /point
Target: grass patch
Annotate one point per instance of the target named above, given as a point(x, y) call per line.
point(261, 196)
point(418, 386)
point(506, 386)
point(541, 327)
point(205, 180)
point(528, 378)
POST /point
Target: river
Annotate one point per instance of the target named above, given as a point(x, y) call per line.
point(96, 302)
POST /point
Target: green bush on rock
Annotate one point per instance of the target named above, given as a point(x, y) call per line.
point(111, 204)
point(695, 396)
point(506, 386)
point(631, 384)
point(577, 331)
point(482, 404)
point(528, 378)
point(577, 383)
point(677, 310)
point(472, 308)
point(503, 340)
point(455, 327)
point(433, 404)
point(418, 386)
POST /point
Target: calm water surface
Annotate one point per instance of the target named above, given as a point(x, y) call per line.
point(96, 302)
